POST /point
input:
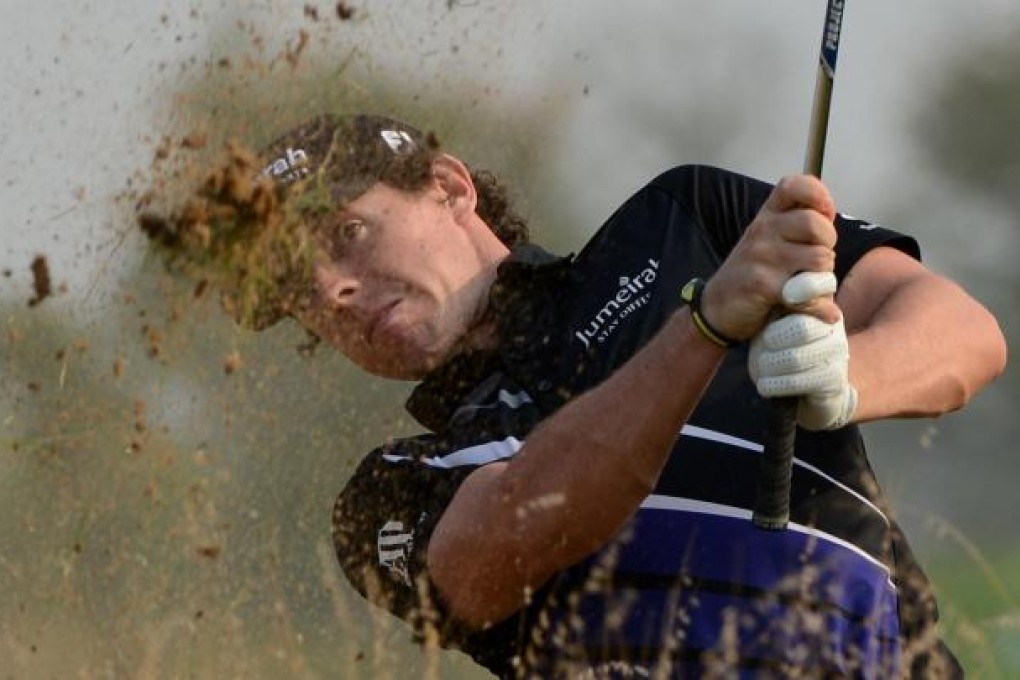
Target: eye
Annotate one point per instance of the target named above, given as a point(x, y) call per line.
point(345, 236)
point(350, 230)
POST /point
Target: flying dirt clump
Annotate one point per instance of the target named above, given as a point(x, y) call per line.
point(234, 231)
point(42, 285)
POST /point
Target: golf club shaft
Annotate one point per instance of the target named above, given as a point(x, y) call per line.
point(772, 505)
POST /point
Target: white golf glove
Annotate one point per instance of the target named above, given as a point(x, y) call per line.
point(801, 356)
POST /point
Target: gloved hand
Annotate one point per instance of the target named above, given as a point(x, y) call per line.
point(800, 355)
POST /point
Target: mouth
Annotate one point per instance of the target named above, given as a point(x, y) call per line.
point(379, 319)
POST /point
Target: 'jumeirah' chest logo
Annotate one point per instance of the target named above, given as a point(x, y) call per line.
point(634, 292)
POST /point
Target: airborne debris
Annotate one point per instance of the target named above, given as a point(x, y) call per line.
point(344, 11)
point(195, 140)
point(293, 55)
point(154, 339)
point(163, 150)
point(41, 282)
point(139, 413)
point(209, 551)
point(232, 362)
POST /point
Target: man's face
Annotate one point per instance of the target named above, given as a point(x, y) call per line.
point(398, 280)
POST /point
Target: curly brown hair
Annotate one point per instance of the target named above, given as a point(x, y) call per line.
point(494, 203)
point(496, 209)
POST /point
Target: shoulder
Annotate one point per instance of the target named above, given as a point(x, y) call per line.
point(398, 478)
point(396, 496)
point(693, 177)
point(687, 201)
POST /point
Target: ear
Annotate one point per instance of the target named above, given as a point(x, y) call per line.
point(453, 180)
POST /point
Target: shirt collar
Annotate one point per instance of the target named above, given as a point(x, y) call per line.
point(521, 279)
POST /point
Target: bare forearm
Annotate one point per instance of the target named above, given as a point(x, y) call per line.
point(925, 351)
point(603, 452)
point(578, 478)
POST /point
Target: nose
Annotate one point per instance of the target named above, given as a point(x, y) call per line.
point(336, 286)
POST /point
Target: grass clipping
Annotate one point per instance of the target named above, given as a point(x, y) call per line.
point(238, 231)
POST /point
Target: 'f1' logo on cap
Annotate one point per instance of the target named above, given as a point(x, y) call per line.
point(399, 141)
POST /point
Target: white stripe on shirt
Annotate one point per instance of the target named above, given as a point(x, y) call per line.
point(677, 504)
point(514, 401)
point(712, 435)
point(480, 454)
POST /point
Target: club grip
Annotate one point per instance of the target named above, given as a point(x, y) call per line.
point(772, 504)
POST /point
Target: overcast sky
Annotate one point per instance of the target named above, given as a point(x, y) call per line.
point(76, 119)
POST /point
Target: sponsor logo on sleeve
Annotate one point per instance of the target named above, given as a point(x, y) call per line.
point(394, 543)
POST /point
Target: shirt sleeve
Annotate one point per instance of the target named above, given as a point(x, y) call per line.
point(382, 523)
point(724, 203)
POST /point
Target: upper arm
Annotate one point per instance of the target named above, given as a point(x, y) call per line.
point(872, 280)
point(920, 345)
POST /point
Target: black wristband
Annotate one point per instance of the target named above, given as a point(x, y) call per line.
point(691, 295)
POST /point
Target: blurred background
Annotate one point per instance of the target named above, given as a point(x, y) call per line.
point(166, 478)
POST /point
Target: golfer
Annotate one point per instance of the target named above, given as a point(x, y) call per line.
point(578, 503)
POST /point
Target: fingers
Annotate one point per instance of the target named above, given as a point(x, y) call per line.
point(792, 232)
point(800, 210)
point(799, 355)
point(802, 226)
point(794, 330)
point(801, 192)
point(809, 382)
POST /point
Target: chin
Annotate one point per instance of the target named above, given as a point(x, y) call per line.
point(403, 368)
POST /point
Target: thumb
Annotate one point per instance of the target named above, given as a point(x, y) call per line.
point(805, 286)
